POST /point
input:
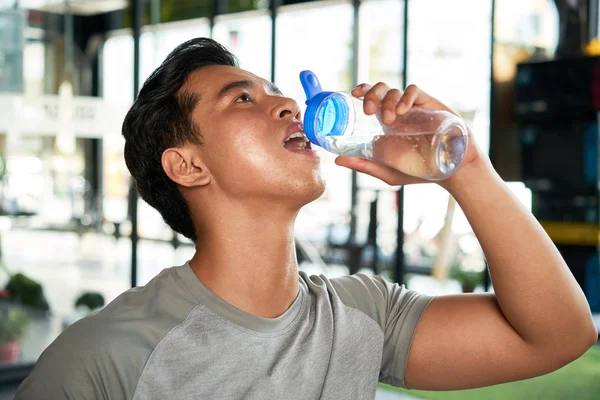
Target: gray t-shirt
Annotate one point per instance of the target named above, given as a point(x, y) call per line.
point(175, 339)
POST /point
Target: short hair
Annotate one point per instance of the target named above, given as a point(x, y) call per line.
point(160, 118)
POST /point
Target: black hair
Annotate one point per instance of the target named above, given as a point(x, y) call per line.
point(161, 118)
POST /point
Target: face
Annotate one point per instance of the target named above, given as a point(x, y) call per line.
point(253, 140)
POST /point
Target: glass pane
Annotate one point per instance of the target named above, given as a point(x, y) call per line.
point(12, 41)
point(52, 232)
point(155, 44)
point(380, 60)
point(248, 36)
point(117, 70)
point(158, 41)
point(532, 25)
point(381, 31)
point(318, 37)
point(449, 57)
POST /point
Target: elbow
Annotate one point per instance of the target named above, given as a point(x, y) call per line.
point(578, 343)
point(589, 333)
point(566, 346)
point(592, 335)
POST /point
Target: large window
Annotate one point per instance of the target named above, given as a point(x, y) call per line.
point(448, 57)
point(248, 36)
point(381, 44)
point(158, 41)
point(57, 240)
point(155, 251)
point(380, 59)
point(318, 37)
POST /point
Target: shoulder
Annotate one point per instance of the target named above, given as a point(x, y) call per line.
point(373, 295)
point(103, 355)
point(358, 288)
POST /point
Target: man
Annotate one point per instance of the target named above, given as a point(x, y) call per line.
point(209, 146)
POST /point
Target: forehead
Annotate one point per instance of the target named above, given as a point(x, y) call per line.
point(208, 81)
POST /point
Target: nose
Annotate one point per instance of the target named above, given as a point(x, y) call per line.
point(285, 108)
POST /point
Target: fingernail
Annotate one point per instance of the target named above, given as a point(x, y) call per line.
point(388, 116)
point(401, 108)
point(370, 105)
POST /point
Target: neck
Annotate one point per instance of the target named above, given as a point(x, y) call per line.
point(248, 259)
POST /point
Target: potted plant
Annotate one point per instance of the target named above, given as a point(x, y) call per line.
point(86, 304)
point(92, 300)
point(14, 323)
point(27, 292)
point(468, 279)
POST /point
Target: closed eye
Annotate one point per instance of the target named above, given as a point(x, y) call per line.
point(244, 98)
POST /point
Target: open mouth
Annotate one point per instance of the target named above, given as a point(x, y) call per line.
point(297, 141)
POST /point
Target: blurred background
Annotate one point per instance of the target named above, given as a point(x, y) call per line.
point(524, 74)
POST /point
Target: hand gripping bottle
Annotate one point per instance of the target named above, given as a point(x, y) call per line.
point(428, 144)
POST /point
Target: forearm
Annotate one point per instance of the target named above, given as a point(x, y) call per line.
point(536, 291)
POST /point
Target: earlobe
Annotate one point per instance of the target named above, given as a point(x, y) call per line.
point(185, 168)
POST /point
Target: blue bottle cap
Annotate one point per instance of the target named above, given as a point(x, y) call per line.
point(326, 112)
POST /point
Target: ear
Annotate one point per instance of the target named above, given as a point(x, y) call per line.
point(184, 166)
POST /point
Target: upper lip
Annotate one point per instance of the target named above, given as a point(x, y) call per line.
point(293, 128)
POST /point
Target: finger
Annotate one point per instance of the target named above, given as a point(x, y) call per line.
point(413, 96)
point(408, 99)
point(361, 90)
point(388, 106)
point(377, 170)
point(374, 97)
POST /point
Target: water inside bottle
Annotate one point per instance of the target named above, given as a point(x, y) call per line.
point(421, 154)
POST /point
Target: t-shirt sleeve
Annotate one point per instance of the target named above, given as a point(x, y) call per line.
point(86, 362)
point(396, 309)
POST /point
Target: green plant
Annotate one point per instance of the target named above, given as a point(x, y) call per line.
point(27, 292)
point(13, 324)
point(467, 279)
point(92, 300)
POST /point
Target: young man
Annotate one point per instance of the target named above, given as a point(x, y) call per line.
point(206, 143)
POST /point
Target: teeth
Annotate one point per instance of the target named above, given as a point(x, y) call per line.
point(296, 135)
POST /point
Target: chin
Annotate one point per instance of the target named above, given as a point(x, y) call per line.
point(307, 191)
point(318, 188)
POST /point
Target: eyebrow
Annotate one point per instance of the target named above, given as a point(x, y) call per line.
point(225, 90)
point(274, 89)
point(245, 84)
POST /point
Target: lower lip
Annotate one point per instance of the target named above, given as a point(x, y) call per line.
point(306, 152)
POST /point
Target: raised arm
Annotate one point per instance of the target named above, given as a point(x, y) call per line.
point(537, 321)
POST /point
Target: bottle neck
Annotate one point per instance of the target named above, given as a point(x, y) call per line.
point(359, 123)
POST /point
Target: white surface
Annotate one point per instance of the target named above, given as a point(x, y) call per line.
point(383, 394)
point(39, 116)
point(80, 7)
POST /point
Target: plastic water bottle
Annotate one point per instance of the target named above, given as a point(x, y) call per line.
point(428, 144)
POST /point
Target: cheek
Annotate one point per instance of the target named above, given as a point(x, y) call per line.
point(239, 149)
point(252, 149)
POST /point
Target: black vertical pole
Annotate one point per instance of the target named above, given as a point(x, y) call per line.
point(218, 7)
point(274, 6)
point(137, 11)
point(400, 261)
point(354, 182)
point(492, 110)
